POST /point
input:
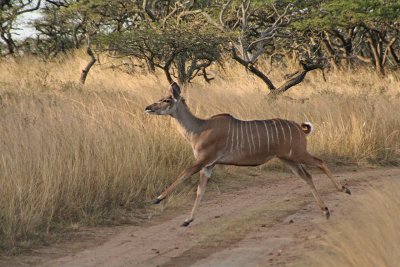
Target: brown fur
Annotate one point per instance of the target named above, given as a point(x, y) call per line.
point(223, 139)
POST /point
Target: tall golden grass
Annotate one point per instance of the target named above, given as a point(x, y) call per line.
point(72, 154)
point(370, 234)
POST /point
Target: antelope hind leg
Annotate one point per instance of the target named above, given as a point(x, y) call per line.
point(301, 172)
point(321, 164)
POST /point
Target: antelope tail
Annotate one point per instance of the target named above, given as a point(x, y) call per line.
point(307, 127)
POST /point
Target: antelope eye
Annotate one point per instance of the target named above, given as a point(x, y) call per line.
point(166, 100)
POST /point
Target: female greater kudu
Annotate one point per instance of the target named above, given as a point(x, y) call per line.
point(223, 139)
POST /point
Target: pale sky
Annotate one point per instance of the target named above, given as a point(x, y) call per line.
point(25, 30)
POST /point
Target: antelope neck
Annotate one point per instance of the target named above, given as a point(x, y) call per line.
point(189, 122)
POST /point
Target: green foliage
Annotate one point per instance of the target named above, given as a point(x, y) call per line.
point(174, 44)
point(162, 42)
point(341, 13)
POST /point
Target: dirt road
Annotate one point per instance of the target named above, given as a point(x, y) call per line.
point(257, 222)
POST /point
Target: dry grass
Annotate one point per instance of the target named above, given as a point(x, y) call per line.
point(370, 236)
point(72, 155)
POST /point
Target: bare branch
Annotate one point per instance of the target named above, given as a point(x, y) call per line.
point(36, 7)
point(170, 15)
point(148, 11)
point(168, 75)
point(253, 69)
point(298, 76)
point(205, 76)
point(212, 21)
point(388, 48)
point(364, 59)
point(222, 13)
point(188, 13)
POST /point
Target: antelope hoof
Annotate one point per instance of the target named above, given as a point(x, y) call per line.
point(346, 190)
point(157, 200)
point(327, 213)
point(186, 223)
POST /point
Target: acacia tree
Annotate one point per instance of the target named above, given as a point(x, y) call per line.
point(10, 11)
point(191, 48)
point(184, 37)
point(65, 27)
point(191, 51)
point(261, 28)
point(356, 31)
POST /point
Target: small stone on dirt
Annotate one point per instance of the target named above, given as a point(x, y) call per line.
point(263, 225)
point(217, 216)
point(291, 221)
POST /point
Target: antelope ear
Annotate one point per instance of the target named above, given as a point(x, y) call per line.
point(175, 90)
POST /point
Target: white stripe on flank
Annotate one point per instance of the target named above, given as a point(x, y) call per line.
point(283, 132)
point(227, 138)
point(266, 129)
point(237, 136)
point(288, 123)
point(252, 137)
point(242, 135)
point(272, 132)
point(258, 135)
point(233, 137)
point(248, 137)
point(276, 130)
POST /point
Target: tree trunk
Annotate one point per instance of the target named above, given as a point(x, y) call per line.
point(375, 46)
point(86, 70)
point(9, 42)
point(181, 66)
point(150, 65)
point(331, 52)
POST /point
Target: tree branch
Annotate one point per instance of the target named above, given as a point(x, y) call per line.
point(253, 69)
point(148, 10)
point(36, 7)
point(299, 77)
point(222, 13)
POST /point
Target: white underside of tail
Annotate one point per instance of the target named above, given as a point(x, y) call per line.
point(311, 127)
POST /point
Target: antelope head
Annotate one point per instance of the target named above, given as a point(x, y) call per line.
point(166, 105)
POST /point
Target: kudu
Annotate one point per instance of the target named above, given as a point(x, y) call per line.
point(223, 139)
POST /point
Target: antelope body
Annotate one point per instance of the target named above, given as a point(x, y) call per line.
point(223, 139)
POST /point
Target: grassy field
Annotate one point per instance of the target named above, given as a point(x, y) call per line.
point(73, 155)
point(369, 236)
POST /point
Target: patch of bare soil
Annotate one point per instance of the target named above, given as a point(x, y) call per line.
point(258, 222)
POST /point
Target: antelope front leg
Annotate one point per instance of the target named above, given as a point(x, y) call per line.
point(205, 173)
point(183, 176)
